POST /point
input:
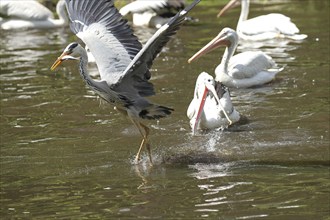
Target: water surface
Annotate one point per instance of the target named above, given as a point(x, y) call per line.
point(66, 156)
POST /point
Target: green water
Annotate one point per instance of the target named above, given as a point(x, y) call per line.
point(66, 156)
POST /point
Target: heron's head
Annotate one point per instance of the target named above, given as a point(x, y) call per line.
point(71, 52)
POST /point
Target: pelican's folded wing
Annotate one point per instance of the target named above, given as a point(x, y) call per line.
point(107, 35)
point(141, 6)
point(29, 10)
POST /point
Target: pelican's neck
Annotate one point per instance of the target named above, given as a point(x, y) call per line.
point(244, 11)
point(61, 11)
point(222, 70)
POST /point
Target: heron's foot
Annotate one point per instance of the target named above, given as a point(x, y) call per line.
point(137, 159)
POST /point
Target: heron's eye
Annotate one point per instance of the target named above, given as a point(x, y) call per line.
point(72, 46)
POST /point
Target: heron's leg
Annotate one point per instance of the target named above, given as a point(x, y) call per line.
point(144, 134)
point(147, 131)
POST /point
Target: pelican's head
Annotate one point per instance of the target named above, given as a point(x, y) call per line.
point(226, 37)
point(204, 82)
point(72, 52)
point(205, 88)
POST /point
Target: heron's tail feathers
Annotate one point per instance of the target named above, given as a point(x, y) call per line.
point(155, 112)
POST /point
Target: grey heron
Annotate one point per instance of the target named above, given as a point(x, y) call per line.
point(31, 14)
point(247, 69)
point(263, 27)
point(153, 13)
point(121, 60)
point(211, 106)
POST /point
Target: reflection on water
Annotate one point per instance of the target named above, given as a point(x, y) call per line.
point(66, 155)
point(230, 186)
point(279, 49)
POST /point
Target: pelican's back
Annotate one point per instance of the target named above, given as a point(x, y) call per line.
point(27, 10)
point(248, 64)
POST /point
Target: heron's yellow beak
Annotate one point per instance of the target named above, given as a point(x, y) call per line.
point(58, 62)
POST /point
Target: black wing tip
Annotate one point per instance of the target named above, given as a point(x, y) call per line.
point(189, 7)
point(183, 13)
point(156, 112)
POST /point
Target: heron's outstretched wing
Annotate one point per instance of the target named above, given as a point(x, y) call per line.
point(29, 10)
point(143, 60)
point(107, 35)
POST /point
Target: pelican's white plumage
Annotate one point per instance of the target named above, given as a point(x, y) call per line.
point(263, 27)
point(243, 70)
point(24, 14)
point(153, 13)
point(211, 100)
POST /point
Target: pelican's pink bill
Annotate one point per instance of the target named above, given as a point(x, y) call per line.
point(230, 4)
point(200, 110)
point(213, 44)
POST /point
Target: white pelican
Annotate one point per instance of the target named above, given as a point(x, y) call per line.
point(263, 27)
point(211, 106)
point(31, 14)
point(243, 70)
point(121, 60)
point(153, 13)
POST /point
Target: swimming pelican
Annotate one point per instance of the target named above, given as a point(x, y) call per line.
point(243, 70)
point(153, 13)
point(263, 27)
point(121, 60)
point(211, 106)
point(31, 14)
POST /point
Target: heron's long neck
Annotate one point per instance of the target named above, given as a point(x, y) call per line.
point(84, 71)
point(244, 11)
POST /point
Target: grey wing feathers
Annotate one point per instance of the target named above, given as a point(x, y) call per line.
point(144, 59)
point(86, 12)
